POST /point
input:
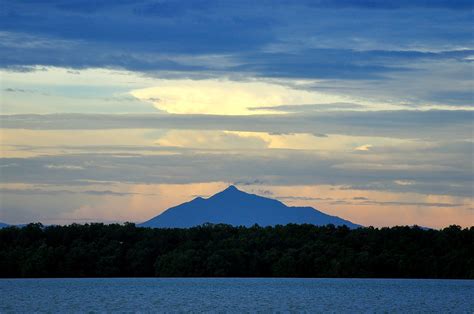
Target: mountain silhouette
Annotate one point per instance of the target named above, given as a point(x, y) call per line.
point(234, 207)
point(3, 225)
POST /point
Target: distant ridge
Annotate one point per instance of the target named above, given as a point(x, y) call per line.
point(3, 225)
point(235, 207)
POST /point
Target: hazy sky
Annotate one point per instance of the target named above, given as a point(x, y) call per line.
point(117, 110)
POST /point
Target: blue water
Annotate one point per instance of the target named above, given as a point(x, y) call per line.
point(236, 295)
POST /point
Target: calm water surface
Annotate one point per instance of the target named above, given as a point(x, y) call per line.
point(236, 295)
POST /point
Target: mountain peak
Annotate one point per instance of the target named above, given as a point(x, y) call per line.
point(239, 208)
point(231, 188)
point(230, 192)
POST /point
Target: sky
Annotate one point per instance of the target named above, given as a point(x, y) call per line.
point(114, 111)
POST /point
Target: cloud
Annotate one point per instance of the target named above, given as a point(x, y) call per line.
point(308, 107)
point(461, 98)
point(38, 191)
point(210, 140)
point(289, 39)
point(288, 65)
point(304, 198)
point(442, 187)
point(394, 4)
point(434, 124)
point(249, 182)
point(223, 96)
point(417, 204)
point(318, 64)
point(15, 90)
point(404, 182)
point(445, 173)
point(289, 43)
point(363, 148)
point(65, 167)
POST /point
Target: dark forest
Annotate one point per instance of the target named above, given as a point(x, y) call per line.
point(99, 250)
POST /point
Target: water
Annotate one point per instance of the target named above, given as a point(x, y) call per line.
point(236, 295)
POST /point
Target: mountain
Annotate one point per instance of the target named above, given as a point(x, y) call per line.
point(3, 225)
point(235, 207)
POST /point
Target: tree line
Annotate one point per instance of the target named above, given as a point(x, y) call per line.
point(99, 250)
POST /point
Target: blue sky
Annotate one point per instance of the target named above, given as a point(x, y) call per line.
point(359, 108)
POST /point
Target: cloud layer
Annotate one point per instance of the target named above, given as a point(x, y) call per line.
point(285, 40)
point(114, 110)
point(447, 124)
